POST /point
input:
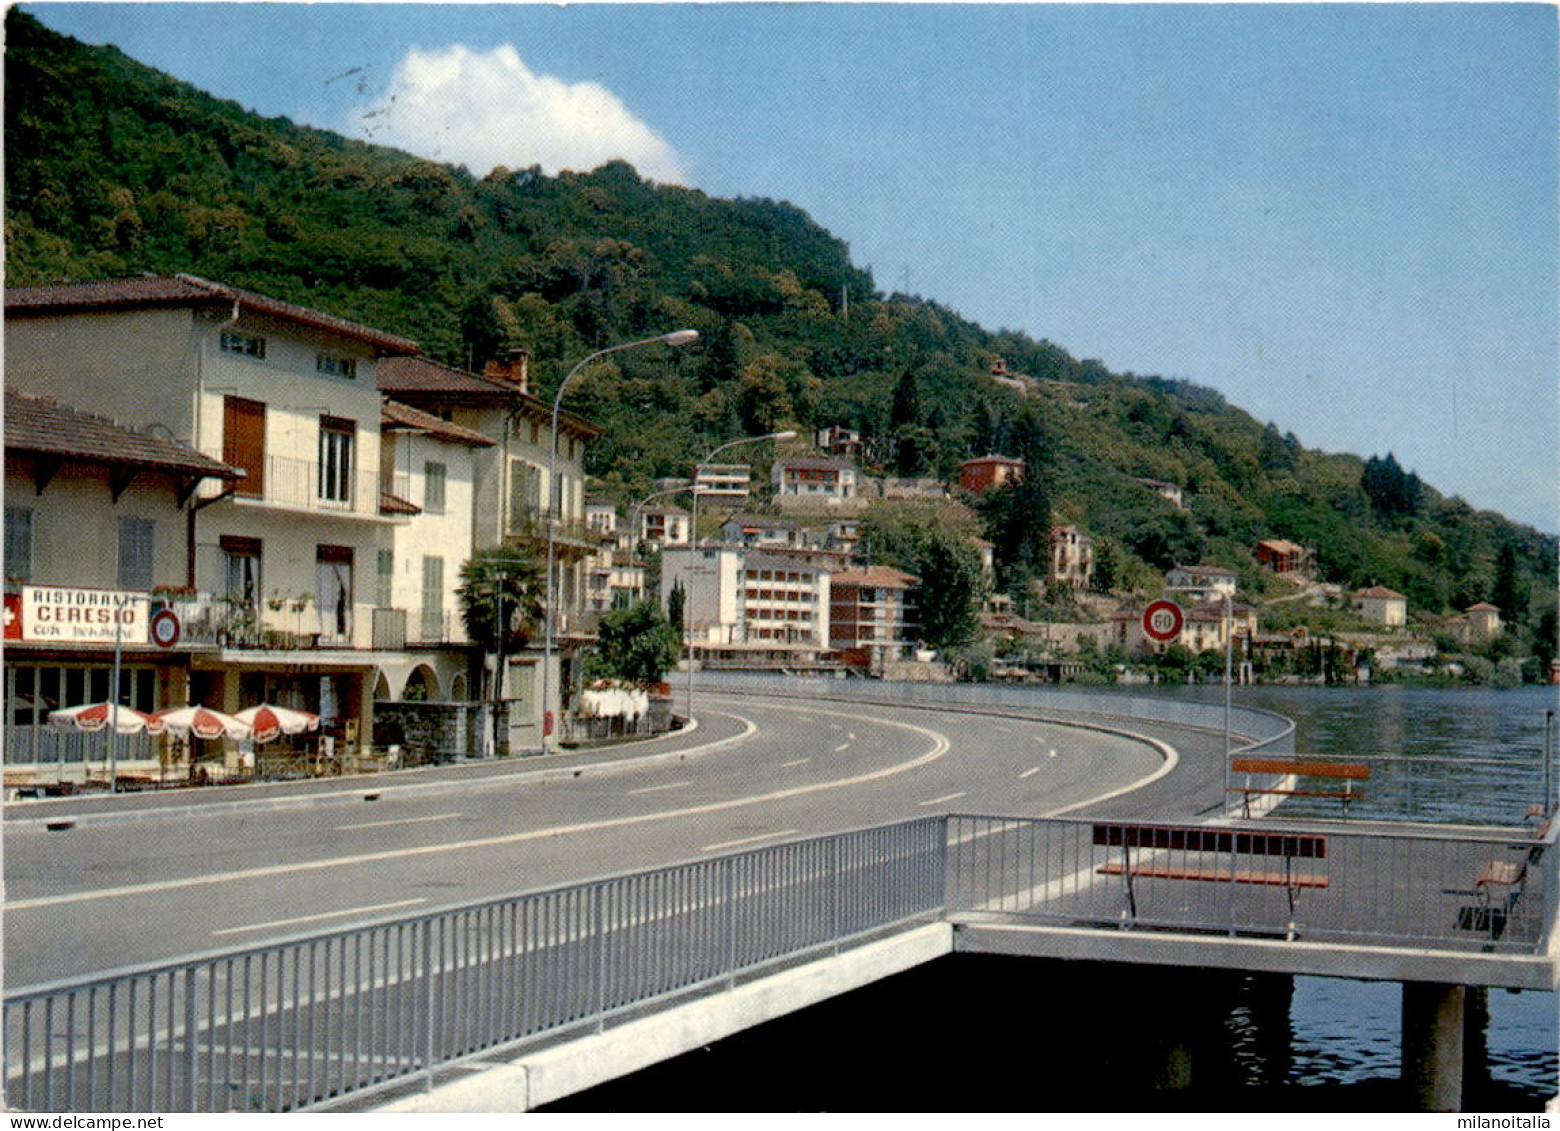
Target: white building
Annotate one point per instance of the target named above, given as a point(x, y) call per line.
point(287, 395)
point(1381, 605)
point(723, 484)
point(750, 607)
point(803, 482)
point(1200, 582)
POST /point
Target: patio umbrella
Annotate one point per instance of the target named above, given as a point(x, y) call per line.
point(95, 716)
point(203, 722)
point(268, 722)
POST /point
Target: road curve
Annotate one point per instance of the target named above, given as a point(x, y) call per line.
point(140, 880)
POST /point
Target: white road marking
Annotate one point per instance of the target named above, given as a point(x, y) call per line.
point(315, 918)
point(798, 762)
point(842, 746)
point(400, 821)
point(1029, 773)
point(747, 840)
point(940, 800)
point(940, 746)
point(658, 788)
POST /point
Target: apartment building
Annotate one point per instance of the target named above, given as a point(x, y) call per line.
point(96, 542)
point(873, 616)
point(282, 393)
point(750, 608)
point(515, 500)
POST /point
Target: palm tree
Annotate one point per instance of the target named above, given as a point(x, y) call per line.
point(501, 585)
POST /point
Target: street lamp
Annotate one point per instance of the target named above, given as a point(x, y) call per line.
point(693, 541)
point(675, 338)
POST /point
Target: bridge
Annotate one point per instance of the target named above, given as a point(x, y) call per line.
point(514, 1002)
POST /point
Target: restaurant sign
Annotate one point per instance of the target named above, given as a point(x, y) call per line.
point(50, 614)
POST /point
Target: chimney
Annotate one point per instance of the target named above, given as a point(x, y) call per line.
point(514, 367)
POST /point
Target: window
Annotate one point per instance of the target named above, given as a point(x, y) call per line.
point(333, 590)
point(433, 598)
point(246, 345)
point(384, 580)
point(243, 443)
point(241, 564)
point(334, 365)
point(525, 491)
point(136, 552)
point(18, 543)
point(434, 476)
point(336, 438)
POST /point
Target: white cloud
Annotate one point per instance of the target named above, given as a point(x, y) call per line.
point(481, 109)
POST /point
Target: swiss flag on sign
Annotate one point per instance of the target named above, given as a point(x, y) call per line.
point(13, 616)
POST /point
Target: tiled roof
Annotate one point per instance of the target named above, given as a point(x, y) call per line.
point(405, 416)
point(37, 425)
point(186, 290)
point(1210, 570)
point(1381, 592)
point(1482, 607)
point(418, 378)
point(878, 576)
point(1008, 461)
point(820, 463)
point(394, 504)
point(763, 522)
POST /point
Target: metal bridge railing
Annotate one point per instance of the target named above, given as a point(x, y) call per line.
point(1369, 888)
point(299, 1022)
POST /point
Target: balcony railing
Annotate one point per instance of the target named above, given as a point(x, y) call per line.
point(307, 485)
point(531, 525)
point(209, 621)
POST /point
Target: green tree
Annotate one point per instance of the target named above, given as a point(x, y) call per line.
point(950, 590)
point(502, 588)
point(1507, 594)
point(635, 645)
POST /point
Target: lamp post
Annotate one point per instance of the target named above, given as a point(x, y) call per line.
point(675, 338)
point(693, 540)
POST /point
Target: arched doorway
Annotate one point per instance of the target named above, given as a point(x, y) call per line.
point(458, 693)
point(381, 687)
point(422, 686)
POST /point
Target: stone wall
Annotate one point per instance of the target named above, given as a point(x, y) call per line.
point(428, 731)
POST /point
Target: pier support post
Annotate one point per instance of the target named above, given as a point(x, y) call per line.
point(1433, 1019)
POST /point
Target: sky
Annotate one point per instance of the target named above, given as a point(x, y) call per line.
point(1344, 217)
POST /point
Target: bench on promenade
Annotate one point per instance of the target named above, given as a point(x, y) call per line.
point(1210, 855)
point(1499, 886)
point(1346, 772)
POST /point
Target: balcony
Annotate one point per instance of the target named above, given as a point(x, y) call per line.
point(301, 484)
point(569, 534)
point(209, 621)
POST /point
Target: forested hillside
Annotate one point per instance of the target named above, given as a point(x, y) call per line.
point(116, 169)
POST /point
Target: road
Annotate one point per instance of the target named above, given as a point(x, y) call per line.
point(144, 879)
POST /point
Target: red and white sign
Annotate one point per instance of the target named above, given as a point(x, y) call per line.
point(165, 628)
point(1162, 621)
point(54, 615)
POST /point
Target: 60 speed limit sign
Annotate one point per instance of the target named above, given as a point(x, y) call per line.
point(1162, 621)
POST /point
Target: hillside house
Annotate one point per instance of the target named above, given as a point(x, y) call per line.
point(1282, 556)
point(808, 482)
point(1072, 557)
point(1381, 605)
point(1200, 583)
point(1170, 492)
point(984, 473)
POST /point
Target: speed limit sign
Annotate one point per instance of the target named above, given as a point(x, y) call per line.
point(1162, 621)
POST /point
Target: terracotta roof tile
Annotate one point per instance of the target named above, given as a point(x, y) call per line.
point(37, 425)
point(430, 382)
point(191, 291)
point(396, 415)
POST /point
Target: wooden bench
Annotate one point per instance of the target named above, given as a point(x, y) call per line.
point(1490, 914)
point(1346, 772)
point(1223, 846)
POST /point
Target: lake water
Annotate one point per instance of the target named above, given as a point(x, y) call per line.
point(1457, 755)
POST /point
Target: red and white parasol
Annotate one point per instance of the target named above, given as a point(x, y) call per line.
point(95, 716)
point(203, 722)
point(268, 722)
